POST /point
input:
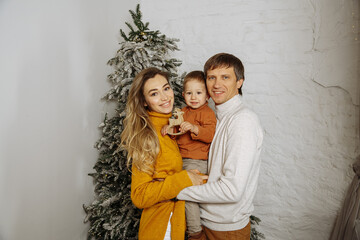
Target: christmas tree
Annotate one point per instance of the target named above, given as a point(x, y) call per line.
point(255, 234)
point(112, 214)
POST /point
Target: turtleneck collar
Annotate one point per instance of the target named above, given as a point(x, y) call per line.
point(196, 109)
point(159, 119)
point(228, 106)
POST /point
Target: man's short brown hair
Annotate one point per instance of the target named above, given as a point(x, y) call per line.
point(226, 60)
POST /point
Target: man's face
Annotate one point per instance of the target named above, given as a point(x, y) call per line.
point(222, 85)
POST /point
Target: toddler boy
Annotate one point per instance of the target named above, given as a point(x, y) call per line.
point(199, 129)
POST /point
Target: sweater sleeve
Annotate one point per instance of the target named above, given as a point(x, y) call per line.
point(243, 141)
point(145, 192)
point(206, 128)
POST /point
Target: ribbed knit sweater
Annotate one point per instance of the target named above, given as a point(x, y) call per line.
point(152, 195)
point(234, 163)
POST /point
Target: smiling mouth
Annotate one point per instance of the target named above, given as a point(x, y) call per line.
point(167, 104)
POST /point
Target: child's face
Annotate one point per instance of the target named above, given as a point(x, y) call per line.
point(195, 94)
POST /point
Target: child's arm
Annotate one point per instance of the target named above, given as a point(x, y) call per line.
point(186, 126)
point(164, 130)
point(205, 131)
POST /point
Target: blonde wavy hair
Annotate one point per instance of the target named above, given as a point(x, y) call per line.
point(139, 137)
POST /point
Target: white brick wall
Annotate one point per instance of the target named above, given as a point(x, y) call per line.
point(302, 79)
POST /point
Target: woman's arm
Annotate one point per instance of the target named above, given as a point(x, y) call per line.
point(146, 192)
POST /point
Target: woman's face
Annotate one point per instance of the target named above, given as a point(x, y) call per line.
point(159, 97)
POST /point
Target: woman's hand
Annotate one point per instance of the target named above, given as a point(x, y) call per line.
point(196, 178)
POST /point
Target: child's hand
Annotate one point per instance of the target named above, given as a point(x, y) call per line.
point(186, 126)
point(164, 130)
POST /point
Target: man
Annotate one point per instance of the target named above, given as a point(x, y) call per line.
point(234, 163)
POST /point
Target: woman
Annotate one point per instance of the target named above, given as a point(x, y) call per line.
point(157, 175)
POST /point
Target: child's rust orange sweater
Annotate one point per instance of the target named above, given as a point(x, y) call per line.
point(197, 146)
point(155, 196)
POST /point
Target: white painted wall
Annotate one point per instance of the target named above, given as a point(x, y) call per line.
point(52, 76)
point(302, 79)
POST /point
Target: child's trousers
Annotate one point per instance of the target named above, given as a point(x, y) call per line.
point(192, 210)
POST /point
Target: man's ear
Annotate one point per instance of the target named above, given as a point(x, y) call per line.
point(239, 83)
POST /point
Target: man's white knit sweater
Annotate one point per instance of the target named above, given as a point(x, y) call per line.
point(234, 163)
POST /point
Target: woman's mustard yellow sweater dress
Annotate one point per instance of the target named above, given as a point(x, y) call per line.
point(153, 196)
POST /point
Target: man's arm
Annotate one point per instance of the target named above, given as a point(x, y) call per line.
point(242, 146)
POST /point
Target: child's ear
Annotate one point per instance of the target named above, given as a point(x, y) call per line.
point(183, 94)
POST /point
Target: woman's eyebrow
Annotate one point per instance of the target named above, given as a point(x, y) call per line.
point(155, 89)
